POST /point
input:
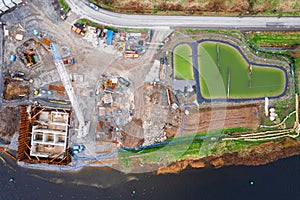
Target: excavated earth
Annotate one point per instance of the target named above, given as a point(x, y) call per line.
point(9, 117)
point(217, 118)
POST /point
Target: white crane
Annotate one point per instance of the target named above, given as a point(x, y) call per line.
point(83, 126)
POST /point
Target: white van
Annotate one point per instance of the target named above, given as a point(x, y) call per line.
point(94, 6)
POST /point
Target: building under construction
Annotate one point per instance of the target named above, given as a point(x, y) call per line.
point(28, 53)
point(43, 135)
point(30, 57)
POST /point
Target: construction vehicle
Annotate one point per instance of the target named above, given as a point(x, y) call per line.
point(46, 42)
point(79, 29)
point(83, 128)
point(67, 61)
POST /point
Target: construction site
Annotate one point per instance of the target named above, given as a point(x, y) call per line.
point(130, 43)
point(77, 101)
point(73, 111)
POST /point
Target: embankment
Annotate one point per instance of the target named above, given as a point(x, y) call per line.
point(258, 155)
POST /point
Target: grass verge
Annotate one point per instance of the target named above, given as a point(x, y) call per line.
point(64, 5)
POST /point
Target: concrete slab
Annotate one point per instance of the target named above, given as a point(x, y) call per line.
point(153, 74)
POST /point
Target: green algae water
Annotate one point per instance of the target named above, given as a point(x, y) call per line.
point(224, 73)
point(183, 66)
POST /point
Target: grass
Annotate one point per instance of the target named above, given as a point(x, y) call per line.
point(206, 7)
point(195, 149)
point(266, 38)
point(281, 39)
point(88, 22)
point(190, 146)
point(131, 30)
point(236, 145)
point(183, 66)
point(226, 74)
point(64, 5)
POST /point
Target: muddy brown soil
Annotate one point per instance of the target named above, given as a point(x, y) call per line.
point(133, 134)
point(257, 155)
point(129, 140)
point(9, 118)
point(217, 118)
point(15, 90)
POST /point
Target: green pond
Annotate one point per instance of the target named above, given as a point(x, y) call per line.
point(224, 73)
point(183, 66)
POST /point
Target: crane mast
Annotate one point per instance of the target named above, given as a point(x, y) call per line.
point(83, 127)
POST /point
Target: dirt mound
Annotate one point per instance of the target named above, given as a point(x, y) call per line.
point(180, 165)
point(174, 167)
point(133, 134)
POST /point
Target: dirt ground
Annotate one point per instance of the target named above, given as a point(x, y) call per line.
point(133, 134)
point(153, 118)
point(9, 118)
point(13, 89)
point(221, 118)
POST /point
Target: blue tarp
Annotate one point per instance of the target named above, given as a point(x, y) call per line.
point(13, 58)
point(109, 37)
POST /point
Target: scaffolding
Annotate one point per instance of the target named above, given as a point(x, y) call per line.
point(24, 141)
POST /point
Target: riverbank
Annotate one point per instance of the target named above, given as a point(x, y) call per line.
point(257, 155)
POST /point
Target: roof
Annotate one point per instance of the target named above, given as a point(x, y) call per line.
point(17, 1)
point(8, 3)
point(109, 37)
point(3, 7)
point(19, 37)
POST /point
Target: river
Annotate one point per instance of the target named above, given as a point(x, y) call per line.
point(278, 180)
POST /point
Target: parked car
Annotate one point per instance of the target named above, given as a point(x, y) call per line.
point(94, 6)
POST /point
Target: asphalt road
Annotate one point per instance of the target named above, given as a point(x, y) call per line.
point(102, 16)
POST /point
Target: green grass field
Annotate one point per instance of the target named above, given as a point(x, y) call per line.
point(189, 147)
point(183, 66)
point(273, 38)
point(224, 73)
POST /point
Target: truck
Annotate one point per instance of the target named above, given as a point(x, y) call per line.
point(69, 61)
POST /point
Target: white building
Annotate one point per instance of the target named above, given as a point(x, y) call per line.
point(5, 5)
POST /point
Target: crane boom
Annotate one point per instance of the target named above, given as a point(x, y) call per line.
point(83, 127)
